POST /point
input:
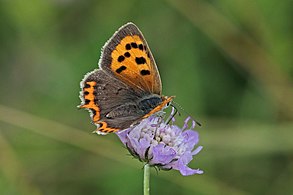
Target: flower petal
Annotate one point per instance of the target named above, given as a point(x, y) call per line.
point(162, 154)
point(186, 171)
point(191, 139)
point(185, 125)
point(123, 135)
point(181, 165)
point(139, 147)
point(197, 150)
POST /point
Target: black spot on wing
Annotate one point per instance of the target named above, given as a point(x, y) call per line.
point(133, 45)
point(87, 86)
point(93, 111)
point(145, 72)
point(128, 46)
point(140, 46)
point(120, 69)
point(121, 58)
point(127, 54)
point(140, 60)
point(87, 101)
point(148, 54)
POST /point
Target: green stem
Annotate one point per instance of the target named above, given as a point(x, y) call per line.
point(146, 180)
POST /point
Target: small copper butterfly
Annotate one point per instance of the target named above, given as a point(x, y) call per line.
point(127, 86)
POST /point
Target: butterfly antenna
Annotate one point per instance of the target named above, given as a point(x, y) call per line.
point(178, 105)
point(173, 113)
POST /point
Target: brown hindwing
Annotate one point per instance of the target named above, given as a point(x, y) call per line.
point(101, 94)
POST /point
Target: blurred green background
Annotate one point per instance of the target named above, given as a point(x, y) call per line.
point(229, 63)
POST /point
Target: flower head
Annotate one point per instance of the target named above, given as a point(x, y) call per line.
point(163, 145)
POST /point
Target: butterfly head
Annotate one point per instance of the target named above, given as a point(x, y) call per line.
point(167, 101)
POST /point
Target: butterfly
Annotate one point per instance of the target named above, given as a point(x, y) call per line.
point(127, 86)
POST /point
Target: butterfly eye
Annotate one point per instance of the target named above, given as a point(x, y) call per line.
point(168, 104)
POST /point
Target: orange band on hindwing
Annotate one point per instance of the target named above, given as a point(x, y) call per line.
point(105, 129)
point(89, 94)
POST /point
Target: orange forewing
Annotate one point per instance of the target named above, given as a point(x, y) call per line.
point(133, 65)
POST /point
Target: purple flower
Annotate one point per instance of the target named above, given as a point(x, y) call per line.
point(162, 145)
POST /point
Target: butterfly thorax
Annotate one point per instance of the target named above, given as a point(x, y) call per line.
point(148, 103)
point(165, 101)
